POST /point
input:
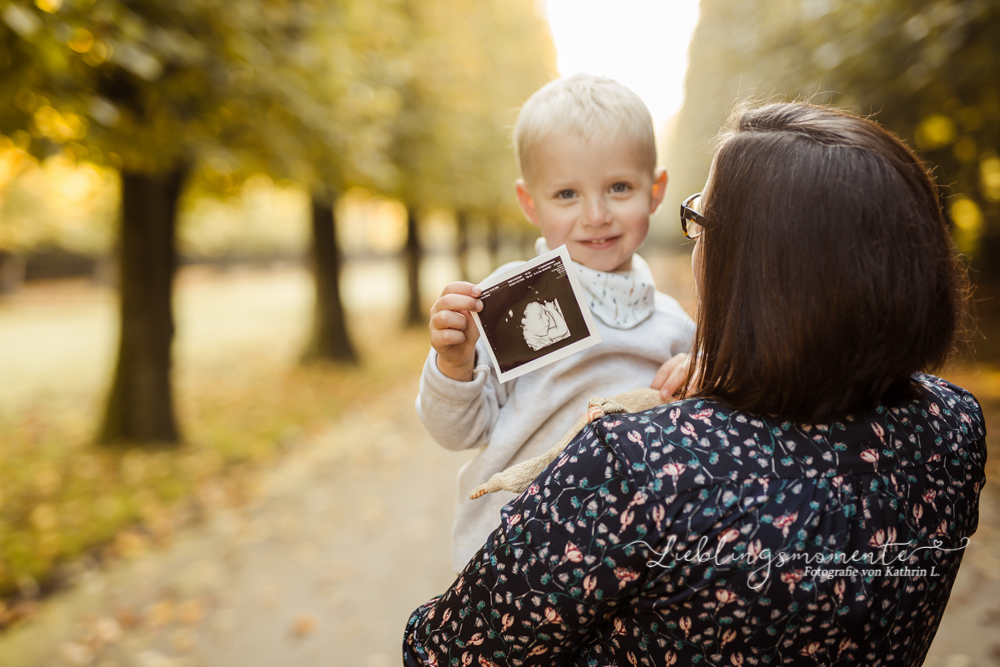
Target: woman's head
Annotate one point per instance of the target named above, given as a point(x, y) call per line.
point(827, 274)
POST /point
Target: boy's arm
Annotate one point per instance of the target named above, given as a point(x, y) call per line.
point(457, 414)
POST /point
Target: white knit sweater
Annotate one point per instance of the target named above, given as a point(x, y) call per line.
point(525, 417)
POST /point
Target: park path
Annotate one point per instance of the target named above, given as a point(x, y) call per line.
point(344, 538)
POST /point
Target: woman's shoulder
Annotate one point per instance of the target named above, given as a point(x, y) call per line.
point(950, 398)
point(702, 442)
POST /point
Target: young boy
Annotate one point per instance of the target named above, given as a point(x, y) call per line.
point(589, 180)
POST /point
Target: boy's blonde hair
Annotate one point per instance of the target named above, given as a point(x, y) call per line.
point(584, 106)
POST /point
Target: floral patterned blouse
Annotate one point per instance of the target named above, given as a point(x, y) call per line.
point(691, 534)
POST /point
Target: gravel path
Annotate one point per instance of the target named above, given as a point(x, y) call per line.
point(322, 568)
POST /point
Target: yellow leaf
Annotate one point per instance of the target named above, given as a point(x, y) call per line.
point(49, 6)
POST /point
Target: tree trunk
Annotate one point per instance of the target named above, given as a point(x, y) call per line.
point(330, 340)
point(11, 272)
point(493, 242)
point(140, 406)
point(412, 254)
point(462, 244)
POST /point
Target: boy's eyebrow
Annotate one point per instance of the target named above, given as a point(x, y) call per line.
point(572, 182)
point(625, 176)
point(573, 185)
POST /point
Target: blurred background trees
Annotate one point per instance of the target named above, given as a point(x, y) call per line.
point(405, 99)
point(927, 69)
point(247, 129)
point(470, 65)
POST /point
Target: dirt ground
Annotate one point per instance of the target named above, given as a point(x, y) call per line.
point(345, 538)
point(341, 541)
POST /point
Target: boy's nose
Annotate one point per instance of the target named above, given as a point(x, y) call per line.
point(597, 212)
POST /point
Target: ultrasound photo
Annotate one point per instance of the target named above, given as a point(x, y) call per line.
point(534, 315)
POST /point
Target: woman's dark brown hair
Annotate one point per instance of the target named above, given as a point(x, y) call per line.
point(828, 276)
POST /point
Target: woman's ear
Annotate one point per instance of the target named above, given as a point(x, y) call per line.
point(659, 189)
point(526, 201)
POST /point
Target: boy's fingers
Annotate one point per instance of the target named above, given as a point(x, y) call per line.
point(670, 376)
point(447, 338)
point(661, 376)
point(448, 319)
point(666, 369)
point(460, 287)
point(456, 302)
point(673, 382)
point(471, 330)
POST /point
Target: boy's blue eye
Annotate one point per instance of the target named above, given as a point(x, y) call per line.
point(620, 187)
point(565, 194)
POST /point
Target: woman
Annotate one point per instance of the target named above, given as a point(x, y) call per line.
point(808, 503)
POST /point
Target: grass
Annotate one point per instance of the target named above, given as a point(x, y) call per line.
point(241, 399)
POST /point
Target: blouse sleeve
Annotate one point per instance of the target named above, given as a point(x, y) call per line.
point(563, 560)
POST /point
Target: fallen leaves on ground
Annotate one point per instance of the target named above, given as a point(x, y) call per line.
point(61, 497)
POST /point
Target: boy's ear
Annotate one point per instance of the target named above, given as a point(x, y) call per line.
point(526, 201)
point(659, 189)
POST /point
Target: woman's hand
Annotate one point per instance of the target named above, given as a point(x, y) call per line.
point(670, 378)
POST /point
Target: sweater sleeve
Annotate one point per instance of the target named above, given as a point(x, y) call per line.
point(460, 415)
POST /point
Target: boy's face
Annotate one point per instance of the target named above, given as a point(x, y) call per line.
point(593, 195)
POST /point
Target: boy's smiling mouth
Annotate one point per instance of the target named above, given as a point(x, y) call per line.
point(599, 243)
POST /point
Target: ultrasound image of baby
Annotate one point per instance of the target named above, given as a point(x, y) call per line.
point(543, 324)
point(534, 314)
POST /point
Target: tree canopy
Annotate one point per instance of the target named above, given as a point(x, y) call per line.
point(929, 70)
point(410, 99)
point(402, 97)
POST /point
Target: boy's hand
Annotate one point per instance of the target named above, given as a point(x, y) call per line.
point(670, 378)
point(453, 333)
